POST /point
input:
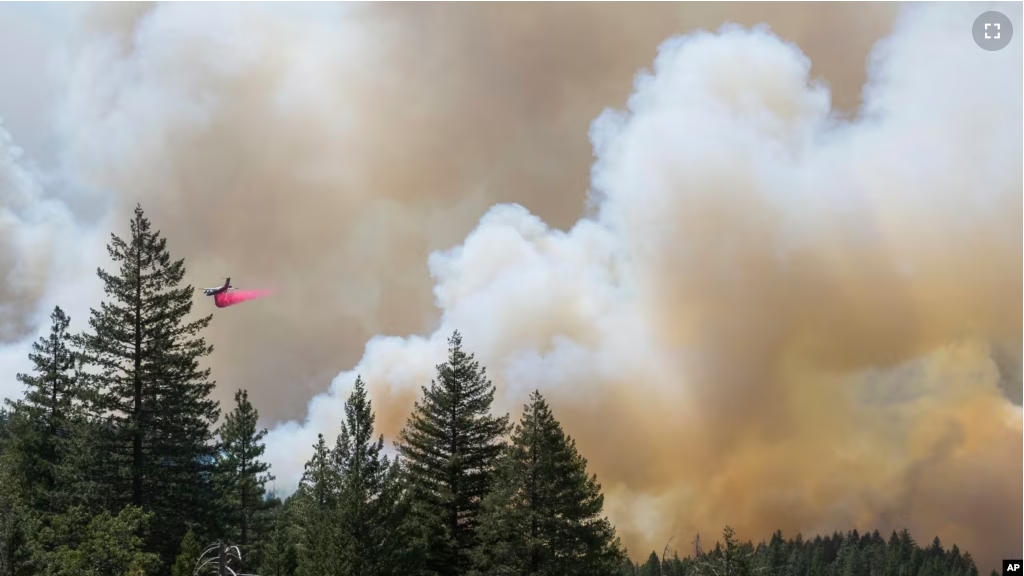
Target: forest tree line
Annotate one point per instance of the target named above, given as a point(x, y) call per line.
point(113, 464)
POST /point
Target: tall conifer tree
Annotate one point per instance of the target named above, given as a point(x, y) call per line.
point(449, 448)
point(158, 450)
point(371, 509)
point(280, 555)
point(652, 567)
point(14, 528)
point(543, 515)
point(243, 477)
point(41, 422)
point(318, 502)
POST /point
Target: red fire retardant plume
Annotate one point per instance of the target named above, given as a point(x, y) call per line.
point(225, 299)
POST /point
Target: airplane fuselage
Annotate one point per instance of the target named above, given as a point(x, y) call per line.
point(214, 291)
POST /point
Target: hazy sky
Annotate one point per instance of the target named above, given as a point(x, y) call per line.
point(774, 281)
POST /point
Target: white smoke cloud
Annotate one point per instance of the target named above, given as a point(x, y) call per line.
point(33, 229)
point(46, 257)
point(266, 140)
point(752, 263)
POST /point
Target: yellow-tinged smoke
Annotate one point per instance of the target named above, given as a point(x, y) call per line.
point(774, 318)
point(329, 149)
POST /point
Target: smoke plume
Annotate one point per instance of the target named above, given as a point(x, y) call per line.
point(361, 138)
point(774, 314)
point(774, 318)
point(33, 231)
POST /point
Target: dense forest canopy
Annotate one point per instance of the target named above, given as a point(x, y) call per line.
point(112, 464)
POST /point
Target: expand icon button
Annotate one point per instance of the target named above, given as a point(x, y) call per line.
point(992, 31)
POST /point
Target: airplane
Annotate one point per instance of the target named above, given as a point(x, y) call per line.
point(220, 289)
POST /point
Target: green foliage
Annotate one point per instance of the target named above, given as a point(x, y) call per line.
point(281, 554)
point(840, 554)
point(652, 567)
point(729, 557)
point(40, 423)
point(14, 513)
point(318, 502)
point(371, 510)
point(75, 544)
point(188, 554)
point(149, 389)
point(543, 514)
point(242, 478)
point(450, 446)
point(352, 503)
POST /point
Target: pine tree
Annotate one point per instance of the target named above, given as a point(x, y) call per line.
point(281, 556)
point(243, 477)
point(370, 507)
point(79, 543)
point(14, 515)
point(849, 559)
point(318, 499)
point(449, 448)
point(543, 515)
point(733, 558)
point(157, 446)
point(776, 553)
point(41, 422)
point(971, 567)
point(188, 554)
point(652, 567)
point(935, 550)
